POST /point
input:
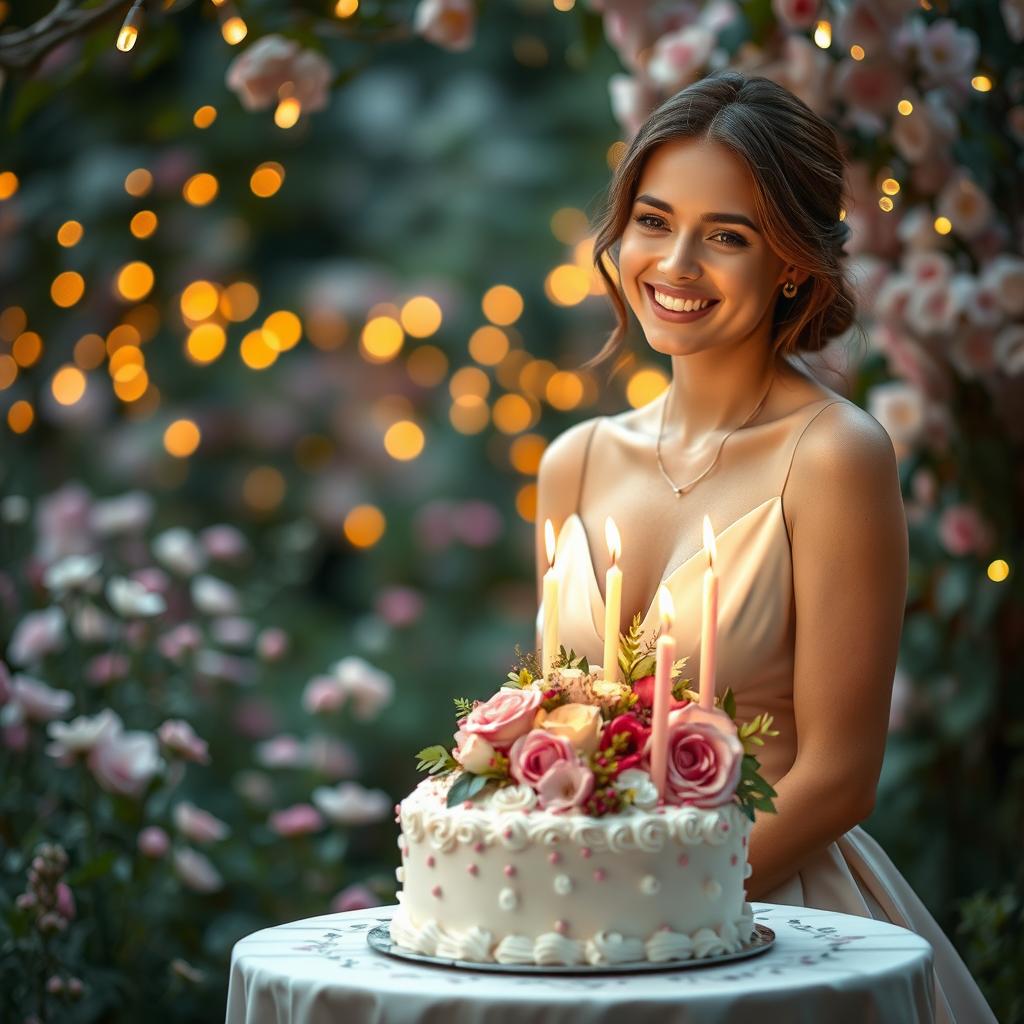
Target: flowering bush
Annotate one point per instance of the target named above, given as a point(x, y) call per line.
point(138, 816)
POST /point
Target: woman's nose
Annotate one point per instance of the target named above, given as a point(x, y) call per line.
point(680, 258)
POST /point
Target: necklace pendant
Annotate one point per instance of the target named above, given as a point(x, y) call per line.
point(679, 491)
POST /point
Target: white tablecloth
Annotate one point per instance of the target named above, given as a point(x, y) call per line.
point(823, 967)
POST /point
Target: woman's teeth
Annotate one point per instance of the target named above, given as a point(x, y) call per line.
point(679, 305)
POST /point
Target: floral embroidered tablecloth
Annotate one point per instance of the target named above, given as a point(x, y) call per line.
point(823, 967)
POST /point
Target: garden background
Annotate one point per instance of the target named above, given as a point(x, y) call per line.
point(292, 298)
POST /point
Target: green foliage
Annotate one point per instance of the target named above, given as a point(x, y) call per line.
point(436, 760)
point(465, 787)
point(570, 659)
point(463, 706)
point(753, 792)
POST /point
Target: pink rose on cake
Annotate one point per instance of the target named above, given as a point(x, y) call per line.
point(565, 785)
point(644, 690)
point(636, 740)
point(704, 761)
point(504, 718)
point(580, 724)
point(535, 753)
point(473, 752)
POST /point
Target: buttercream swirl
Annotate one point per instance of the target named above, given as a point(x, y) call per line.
point(552, 948)
point(473, 944)
point(515, 949)
point(613, 948)
point(667, 945)
point(516, 797)
point(707, 942)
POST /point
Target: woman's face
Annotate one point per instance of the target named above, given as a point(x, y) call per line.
point(669, 246)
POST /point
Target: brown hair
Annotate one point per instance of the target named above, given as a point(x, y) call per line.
point(797, 168)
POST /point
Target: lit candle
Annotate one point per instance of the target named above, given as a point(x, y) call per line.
point(709, 622)
point(664, 658)
point(612, 602)
point(550, 644)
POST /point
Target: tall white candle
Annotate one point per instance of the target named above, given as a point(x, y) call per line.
point(550, 644)
point(612, 602)
point(709, 622)
point(664, 657)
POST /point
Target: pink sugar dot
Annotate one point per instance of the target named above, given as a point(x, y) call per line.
point(507, 833)
point(430, 861)
point(398, 808)
point(725, 826)
point(585, 852)
point(467, 804)
point(683, 860)
point(744, 840)
point(554, 857)
point(733, 859)
point(436, 891)
point(600, 875)
point(561, 927)
point(478, 847)
point(510, 870)
point(473, 869)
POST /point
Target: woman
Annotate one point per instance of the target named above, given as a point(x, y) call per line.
point(729, 200)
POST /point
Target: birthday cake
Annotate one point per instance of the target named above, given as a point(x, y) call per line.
point(583, 820)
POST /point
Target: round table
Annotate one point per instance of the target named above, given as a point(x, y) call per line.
point(822, 967)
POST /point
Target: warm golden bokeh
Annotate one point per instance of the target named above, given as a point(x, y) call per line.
point(564, 390)
point(286, 114)
point(569, 225)
point(205, 343)
point(469, 414)
point(513, 414)
point(20, 416)
point(27, 348)
point(267, 179)
point(345, 8)
point(510, 369)
point(200, 189)
point(526, 502)
point(133, 389)
point(534, 377)
point(998, 570)
point(89, 352)
point(469, 380)
point(138, 182)
point(488, 345)
point(234, 30)
point(364, 526)
point(204, 116)
point(181, 438)
point(126, 364)
point(256, 351)
point(282, 329)
point(404, 440)
point(567, 285)
point(8, 184)
point(120, 336)
point(143, 224)
point(135, 280)
point(326, 328)
point(421, 316)
point(67, 288)
point(502, 305)
point(645, 385)
point(427, 366)
point(13, 320)
point(238, 301)
point(199, 301)
point(144, 318)
point(525, 453)
point(263, 488)
point(382, 339)
point(68, 385)
point(69, 233)
point(8, 371)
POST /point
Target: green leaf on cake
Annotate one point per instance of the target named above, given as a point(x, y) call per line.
point(729, 703)
point(436, 760)
point(463, 705)
point(465, 787)
point(570, 659)
point(629, 651)
point(753, 791)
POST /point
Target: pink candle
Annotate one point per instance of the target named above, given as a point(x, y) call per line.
point(709, 622)
point(664, 657)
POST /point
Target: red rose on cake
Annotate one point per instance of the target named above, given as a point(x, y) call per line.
point(636, 740)
point(704, 758)
point(644, 690)
point(503, 718)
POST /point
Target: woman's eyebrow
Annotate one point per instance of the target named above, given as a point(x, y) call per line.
point(705, 218)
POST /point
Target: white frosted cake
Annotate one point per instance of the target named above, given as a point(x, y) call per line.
point(546, 836)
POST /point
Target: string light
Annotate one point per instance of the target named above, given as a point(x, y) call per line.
point(232, 26)
point(130, 27)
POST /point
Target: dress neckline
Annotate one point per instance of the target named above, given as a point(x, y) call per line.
point(667, 580)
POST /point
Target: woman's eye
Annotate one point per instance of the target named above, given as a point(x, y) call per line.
point(648, 220)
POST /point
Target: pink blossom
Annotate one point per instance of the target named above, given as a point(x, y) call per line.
point(233, 631)
point(533, 754)
point(966, 206)
point(179, 738)
point(284, 751)
point(224, 542)
point(14, 734)
point(399, 606)
point(38, 634)
point(565, 785)
point(198, 825)
point(297, 820)
point(354, 897)
point(106, 667)
point(352, 804)
point(6, 692)
point(369, 688)
point(196, 872)
point(870, 86)
point(972, 352)
point(323, 694)
point(449, 24)
point(39, 702)
point(1005, 276)
point(65, 901)
point(703, 761)
point(62, 523)
point(678, 57)
point(177, 642)
point(1008, 349)
point(216, 666)
point(125, 763)
point(272, 644)
point(927, 268)
point(258, 74)
point(947, 52)
point(924, 487)
point(124, 514)
point(433, 523)
point(505, 717)
point(963, 531)
point(331, 757)
point(796, 14)
point(474, 753)
point(477, 523)
point(901, 410)
point(153, 842)
point(933, 309)
point(81, 735)
point(255, 718)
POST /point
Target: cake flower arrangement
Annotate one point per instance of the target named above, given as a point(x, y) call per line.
point(568, 738)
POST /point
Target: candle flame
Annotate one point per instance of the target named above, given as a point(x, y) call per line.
point(614, 541)
point(709, 542)
point(549, 541)
point(666, 607)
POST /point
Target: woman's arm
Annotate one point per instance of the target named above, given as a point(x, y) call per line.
point(850, 556)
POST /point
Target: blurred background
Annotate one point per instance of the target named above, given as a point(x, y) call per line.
point(292, 298)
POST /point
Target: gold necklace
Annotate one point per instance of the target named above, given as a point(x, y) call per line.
point(680, 491)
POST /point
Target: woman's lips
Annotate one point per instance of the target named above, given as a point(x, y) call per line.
point(677, 316)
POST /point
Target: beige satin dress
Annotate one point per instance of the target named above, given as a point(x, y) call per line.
point(756, 634)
